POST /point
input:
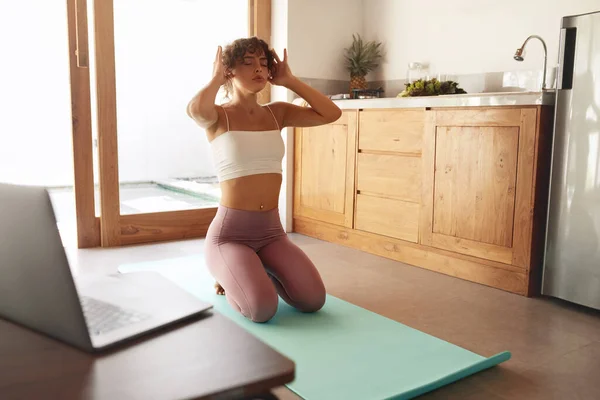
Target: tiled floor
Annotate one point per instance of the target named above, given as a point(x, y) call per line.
point(555, 345)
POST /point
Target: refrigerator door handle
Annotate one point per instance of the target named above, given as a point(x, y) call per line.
point(566, 58)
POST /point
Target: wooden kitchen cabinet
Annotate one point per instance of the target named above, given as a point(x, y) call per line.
point(324, 165)
point(457, 190)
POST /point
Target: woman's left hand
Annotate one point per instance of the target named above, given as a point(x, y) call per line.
point(282, 74)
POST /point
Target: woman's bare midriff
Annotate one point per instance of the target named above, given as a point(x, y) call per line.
point(252, 193)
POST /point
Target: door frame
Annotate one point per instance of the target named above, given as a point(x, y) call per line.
point(111, 228)
point(88, 225)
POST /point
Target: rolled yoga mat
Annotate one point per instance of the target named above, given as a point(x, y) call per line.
point(342, 351)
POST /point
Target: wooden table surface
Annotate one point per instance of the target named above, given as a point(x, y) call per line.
point(207, 358)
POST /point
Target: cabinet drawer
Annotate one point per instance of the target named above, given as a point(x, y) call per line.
point(394, 218)
point(390, 175)
point(391, 130)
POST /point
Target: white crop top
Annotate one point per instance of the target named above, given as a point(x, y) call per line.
point(242, 153)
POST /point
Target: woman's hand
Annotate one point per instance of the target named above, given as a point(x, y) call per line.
point(282, 75)
point(219, 70)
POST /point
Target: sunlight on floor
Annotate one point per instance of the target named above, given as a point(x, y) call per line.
point(151, 197)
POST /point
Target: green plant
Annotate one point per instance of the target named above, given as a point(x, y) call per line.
point(431, 87)
point(361, 58)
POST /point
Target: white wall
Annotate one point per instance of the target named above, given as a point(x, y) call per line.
point(466, 36)
point(318, 32)
point(279, 41)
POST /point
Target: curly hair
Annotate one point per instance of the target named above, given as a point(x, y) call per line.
point(236, 50)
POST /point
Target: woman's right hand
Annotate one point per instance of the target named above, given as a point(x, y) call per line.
point(219, 70)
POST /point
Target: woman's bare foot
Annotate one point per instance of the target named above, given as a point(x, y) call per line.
point(220, 290)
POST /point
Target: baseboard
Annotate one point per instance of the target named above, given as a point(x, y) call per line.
point(501, 276)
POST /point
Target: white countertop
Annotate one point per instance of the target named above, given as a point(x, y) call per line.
point(458, 100)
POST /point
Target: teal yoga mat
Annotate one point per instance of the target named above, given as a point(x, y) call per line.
point(343, 351)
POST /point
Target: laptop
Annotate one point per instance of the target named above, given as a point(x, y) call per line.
point(39, 291)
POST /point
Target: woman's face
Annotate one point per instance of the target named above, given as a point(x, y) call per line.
point(252, 73)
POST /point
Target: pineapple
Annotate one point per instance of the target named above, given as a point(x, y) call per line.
point(358, 82)
point(361, 58)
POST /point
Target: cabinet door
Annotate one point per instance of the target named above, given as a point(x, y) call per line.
point(477, 182)
point(324, 171)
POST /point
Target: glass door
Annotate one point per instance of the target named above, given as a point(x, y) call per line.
point(150, 57)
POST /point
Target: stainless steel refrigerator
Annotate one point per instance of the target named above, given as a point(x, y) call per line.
point(572, 253)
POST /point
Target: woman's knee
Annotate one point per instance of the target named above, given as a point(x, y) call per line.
point(263, 305)
point(316, 300)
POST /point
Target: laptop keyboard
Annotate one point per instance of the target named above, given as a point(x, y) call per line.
point(102, 317)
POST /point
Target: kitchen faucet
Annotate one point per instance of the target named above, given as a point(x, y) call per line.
point(519, 56)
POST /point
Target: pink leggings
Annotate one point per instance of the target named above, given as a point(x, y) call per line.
point(250, 255)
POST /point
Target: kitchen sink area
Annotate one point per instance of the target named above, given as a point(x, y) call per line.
point(488, 99)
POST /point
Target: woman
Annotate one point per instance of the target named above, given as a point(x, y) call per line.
point(247, 250)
